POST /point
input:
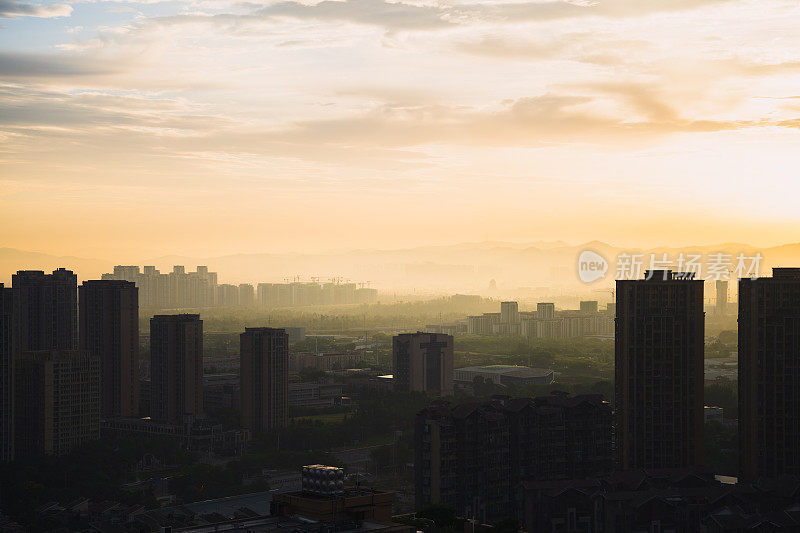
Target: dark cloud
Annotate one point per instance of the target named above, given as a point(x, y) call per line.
point(12, 9)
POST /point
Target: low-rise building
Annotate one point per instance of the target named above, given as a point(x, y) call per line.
point(321, 393)
point(713, 414)
point(198, 435)
point(324, 361)
point(504, 375)
point(354, 504)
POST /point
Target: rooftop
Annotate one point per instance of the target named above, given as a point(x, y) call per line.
point(515, 370)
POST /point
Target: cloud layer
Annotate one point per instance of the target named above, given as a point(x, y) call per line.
point(394, 105)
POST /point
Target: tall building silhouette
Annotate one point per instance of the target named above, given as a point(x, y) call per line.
point(659, 371)
point(769, 375)
point(176, 367)
point(57, 401)
point(6, 374)
point(264, 375)
point(109, 328)
point(46, 310)
point(423, 362)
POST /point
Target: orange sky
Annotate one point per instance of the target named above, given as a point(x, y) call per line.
point(211, 127)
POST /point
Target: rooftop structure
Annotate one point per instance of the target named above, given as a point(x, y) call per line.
point(505, 374)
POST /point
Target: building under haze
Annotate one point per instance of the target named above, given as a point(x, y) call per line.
point(247, 295)
point(109, 329)
point(423, 362)
point(264, 375)
point(509, 312)
point(57, 401)
point(659, 371)
point(176, 367)
point(545, 310)
point(227, 295)
point(176, 289)
point(721, 307)
point(46, 310)
point(6, 374)
point(769, 375)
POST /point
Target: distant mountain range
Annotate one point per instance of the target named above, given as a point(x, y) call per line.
point(464, 267)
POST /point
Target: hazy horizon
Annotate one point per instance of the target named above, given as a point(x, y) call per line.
point(519, 269)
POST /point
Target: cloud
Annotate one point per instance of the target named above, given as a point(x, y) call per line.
point(530, 121)
point(28, 109)
point(498, 46)
point(387, 134)
point(560, 9)
point(391, 15)
point(598, 49)
point(396, 16)
point(30, 65)
point(13, 9)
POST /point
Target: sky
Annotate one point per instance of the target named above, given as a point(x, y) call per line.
point(216, 127)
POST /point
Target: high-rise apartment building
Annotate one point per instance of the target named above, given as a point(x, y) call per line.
point(509, 313)
point(264, 378)
point(109, 329)
point(227, 295)
point(769, 375)
point(659, 371)
point(57, 401)
point(423, 362)
point(176, 367)
point(46, 310)
point(588, 306)
point(7, 353)
point(247, 295)
point(169, 291)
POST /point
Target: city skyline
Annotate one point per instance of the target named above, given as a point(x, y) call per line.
point(399, 266)
point(354, 120)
